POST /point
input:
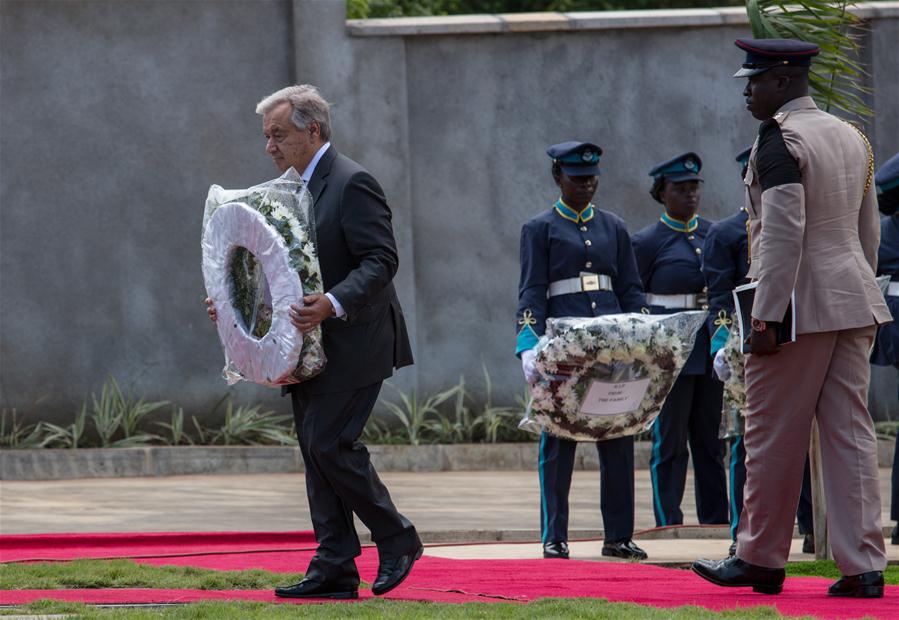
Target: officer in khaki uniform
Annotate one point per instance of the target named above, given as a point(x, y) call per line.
point(814, 229)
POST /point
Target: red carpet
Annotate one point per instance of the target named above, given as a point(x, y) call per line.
point(433, 579)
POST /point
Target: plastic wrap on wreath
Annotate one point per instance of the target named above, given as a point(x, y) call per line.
point(259, 257)
point(734, 402)
point(608, 376)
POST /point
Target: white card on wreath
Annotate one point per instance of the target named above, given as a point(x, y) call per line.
point(614, 397)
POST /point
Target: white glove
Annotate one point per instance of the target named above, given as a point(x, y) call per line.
point(529, 366)
point(722, 370)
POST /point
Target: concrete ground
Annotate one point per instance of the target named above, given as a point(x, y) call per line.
point(447, 507)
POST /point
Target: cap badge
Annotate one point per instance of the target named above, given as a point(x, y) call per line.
point(588, 156)
point(690, 165)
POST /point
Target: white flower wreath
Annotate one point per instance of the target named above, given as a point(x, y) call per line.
point(259, 257)
point(618, 348)
point(272, 359)
point(734, 400)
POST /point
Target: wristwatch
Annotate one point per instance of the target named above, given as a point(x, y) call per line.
point(758, 325)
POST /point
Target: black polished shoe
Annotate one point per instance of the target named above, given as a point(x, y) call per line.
point(866, 585)
point(808, 543)
point(392, 571)
point(734, 572)
point(555, 550)
point(308, 588)
point(894, 539)
point(733, 549)
point(624, 548)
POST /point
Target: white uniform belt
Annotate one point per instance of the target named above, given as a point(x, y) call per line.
point(586, 282)
point(684, 300)
point(893, 289)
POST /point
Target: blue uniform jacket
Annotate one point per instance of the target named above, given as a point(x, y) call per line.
point(560, 244)
point(725, 262)
point(886, 347)
point(670, 263)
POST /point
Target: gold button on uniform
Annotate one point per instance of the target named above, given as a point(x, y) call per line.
point(588, 242)
point(593, 305)
point(691, 237)
point(583, 229)
point(699, 250)
point(705, 306)
point(588, 264)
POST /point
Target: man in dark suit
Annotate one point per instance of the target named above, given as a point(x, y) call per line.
point(365, 338)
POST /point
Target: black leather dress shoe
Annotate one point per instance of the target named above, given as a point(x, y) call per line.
point(555, 550)
point(734, 572)
point(894, 539)
point(866, 585)
point(316, 589)
point(392, 571)
point(808, 543)
point(624, 548)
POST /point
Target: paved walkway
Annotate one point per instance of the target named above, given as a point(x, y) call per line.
point(445, 506)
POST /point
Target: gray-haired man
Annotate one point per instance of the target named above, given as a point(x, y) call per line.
point(365, 338)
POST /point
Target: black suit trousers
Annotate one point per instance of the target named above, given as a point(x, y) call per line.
point(340, 481)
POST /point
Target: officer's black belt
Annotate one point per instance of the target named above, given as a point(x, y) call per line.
point(585, 283)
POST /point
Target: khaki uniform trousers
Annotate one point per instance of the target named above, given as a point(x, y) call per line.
point(824, 376)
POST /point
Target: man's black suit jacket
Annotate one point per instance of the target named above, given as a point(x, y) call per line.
point(358, 258)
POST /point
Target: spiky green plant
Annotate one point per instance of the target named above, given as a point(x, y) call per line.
point(177, 436)
point(836, 77)
point(71, 436)
point(415, 414)
point(15, 434)
point(245, 425)
point(494, 419)
point(115, 414)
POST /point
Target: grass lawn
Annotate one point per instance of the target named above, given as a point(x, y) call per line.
point(399, 610)
point(128, 574)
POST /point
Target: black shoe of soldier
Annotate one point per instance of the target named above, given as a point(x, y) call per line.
point(624, 548)
point(866, 585)
point(555, 550)
point(808, 543)
point(735, 573)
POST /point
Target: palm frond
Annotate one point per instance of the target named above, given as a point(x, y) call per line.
point(837, 75)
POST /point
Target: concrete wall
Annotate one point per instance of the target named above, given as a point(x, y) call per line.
point(116, 116)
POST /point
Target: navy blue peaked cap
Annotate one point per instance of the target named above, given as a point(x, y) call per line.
point(765, 54)
point(577, 159)
point(684, 167)
point(887, 176)
point(743, 157)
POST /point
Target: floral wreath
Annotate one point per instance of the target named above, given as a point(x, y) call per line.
point(620, 348)
point(259, 256)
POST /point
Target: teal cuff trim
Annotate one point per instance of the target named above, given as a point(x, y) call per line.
point(719, 339)
point(527, 339)
point(883, 187)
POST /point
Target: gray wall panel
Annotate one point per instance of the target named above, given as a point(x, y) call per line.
point(116, 116)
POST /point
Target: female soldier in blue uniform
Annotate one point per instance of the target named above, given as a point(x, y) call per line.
point(669, 257)
point(577, 260)
point(725, 263)
point(886, 346)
